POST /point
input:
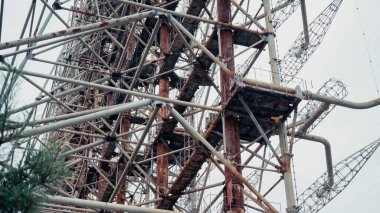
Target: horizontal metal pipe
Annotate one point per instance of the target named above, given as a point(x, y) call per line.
point(82, 148)
point(307, 95)
point(67, 207)
point(70, 115)
point(44, 100)
point(325, 142)
point(78, 30)
point(114, 89)
point(101, 205)
point(64, 40)
point(349, 104)
point(84, 118)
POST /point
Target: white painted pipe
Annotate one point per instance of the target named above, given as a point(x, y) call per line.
point(102, 205)
point(84, 118)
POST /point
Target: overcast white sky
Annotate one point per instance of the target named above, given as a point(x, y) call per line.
point(344, 55)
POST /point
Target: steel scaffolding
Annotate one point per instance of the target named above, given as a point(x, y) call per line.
point(159, 105)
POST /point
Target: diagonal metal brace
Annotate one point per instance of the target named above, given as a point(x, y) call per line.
point(259, 128)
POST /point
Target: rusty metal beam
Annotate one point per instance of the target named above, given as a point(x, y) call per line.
point(233, 190)
point(163, 162)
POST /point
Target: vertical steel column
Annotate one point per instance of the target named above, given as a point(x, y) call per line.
point(125, 127)
point(233, 191)
point(285, 157)
point(163, 162)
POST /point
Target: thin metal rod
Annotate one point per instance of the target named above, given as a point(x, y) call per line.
point(145, 53)
point(246, 49)
point(134, 153)
point(24, 28)
point(252, 155)
point(200, 198)
point(253, 118)
point(259, 168)
point(76, 30)
point(213, 201)
point(272, 187)
point(184, 41)
point(200, 45)
point(85, 147)
point(71, 66)
point(204, 188)
point(63, 40)
point(293, 131)
point(44, 100)
point(143, 173)
point(254, 208)
point(101, 174)
point(168, 153)
point(125, 50)
point(253, 20)
point(1, 17)
point(123, 91)
point(262, 171)
point(252, 62)
point(263, 159)
point(140, 67)
point(256, 201)
point(60, 102)
point(273, 10)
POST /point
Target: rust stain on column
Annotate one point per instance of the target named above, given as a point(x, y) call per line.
point(233, 192)
point(162, 162)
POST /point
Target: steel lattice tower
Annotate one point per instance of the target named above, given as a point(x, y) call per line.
point(159, 105)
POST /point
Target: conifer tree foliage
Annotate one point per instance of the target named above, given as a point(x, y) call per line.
point(23, 187)
point(8, 80)
point(29, 167)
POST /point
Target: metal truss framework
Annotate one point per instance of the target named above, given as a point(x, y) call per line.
point(318, 194)
point(144, 93)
